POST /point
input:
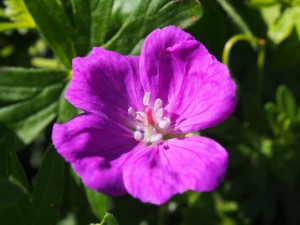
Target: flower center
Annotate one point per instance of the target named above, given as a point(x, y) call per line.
point(151, 125)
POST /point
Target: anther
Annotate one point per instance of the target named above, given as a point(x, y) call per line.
point(146, 99)
point(131, 112)
point(138, 136)
point(164, 124)
point(157, 104)
point(155, 138)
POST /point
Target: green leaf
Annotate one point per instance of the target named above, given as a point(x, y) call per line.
point(262, 3)
point(13, 180)
point(271, 114)
point(149, 15)
point(29, 99)
point(48, 190)
point(109, 219)
point(66, 110)
point(8, 26)
point(10, 166)
point(228, 6)
point(254, 114)
point(282, 28)
point(10, 194)
point(82, 20)
point(100, 18)
point(271, 14)
point(16, 10)
point(97, 201)
point(55, 26)
point(286, 102)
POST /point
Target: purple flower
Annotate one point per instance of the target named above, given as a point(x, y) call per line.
point(132, 136)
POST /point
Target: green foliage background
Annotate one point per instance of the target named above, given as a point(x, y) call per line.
point(258, 39)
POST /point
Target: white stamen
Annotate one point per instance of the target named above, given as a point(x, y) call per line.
point(140, 116)
point(139, 128)
point(131, 112)
point(164, 124)
point(155, 138)
point(157, 104)
point(138, 136)
point(146, 99)
point(159, 113)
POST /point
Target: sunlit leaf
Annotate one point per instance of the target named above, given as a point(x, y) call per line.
point(29, 99)
point(55, 26)
point(17, 11)
point(149, 15)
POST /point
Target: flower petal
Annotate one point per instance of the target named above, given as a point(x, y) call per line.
point(196, 89)
point(97, 149)
point(153, 51)
point(154, 174)
point(207, 93)
point(105, 83)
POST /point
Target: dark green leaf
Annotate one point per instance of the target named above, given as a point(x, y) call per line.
point(149, 15)
point(48, 190)
point(228, 6)
point(254, 114)
point(97, 201)
point(66, 111)
point(55, 26)
point(10, 194)
point(29, 99)
point(82, 20)
point(100, 18)
point(10, 166)
point(13, 180)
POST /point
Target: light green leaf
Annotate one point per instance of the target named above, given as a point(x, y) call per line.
point(16, 10)
point(55, 26)
point(271, 14)
point(149, 15)
point(286, 102)
point(109, 219)
point(97, 201)
point(262, 3)
point(29, 99)
point(48, 190)
point(282, 28)
point(8, 26)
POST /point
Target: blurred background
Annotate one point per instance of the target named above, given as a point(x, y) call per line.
point(259, 40)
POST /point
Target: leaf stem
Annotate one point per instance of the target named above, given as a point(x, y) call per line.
point(260, 57)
